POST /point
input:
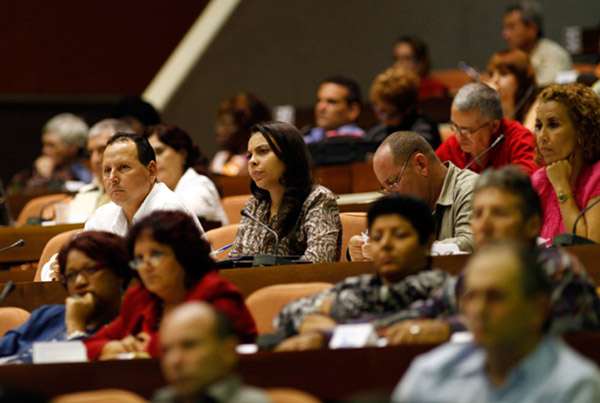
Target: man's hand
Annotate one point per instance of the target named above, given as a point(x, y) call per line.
point(79, 311)
point(421, 331)
point(302, 342)
point(44, 165)
point(359, 249)
point(130, 344)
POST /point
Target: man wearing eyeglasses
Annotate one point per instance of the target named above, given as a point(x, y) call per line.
point(477, 122)
point(406, 163)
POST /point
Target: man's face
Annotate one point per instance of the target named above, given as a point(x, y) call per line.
point(193, 356)
point(126, 180)
point(54, 147)
point(331, 109)
point(96, 146)
point(516, 33)
point(394, 180)
point(500, 317)
point(474, 131)
point(497, 216)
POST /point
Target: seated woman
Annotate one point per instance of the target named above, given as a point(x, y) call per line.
point(174, 266)
point(394, 96)
point(235, 118)
point(512, 75)
point(402, 232)
point(284, 197)
point(93, 268)
point(567, 132)
point(184, 170)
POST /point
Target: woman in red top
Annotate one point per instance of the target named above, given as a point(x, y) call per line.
point(174, 266)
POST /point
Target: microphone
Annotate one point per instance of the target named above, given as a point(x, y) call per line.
point(499, 140)
point(266, 260)
point(568, 239)
point(19, 244)
point(10, 285)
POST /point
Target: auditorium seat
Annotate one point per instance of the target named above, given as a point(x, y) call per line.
point(34, 207)
point(352, 224)
point(233, 205)
point(265, 304)
point(220, 237)
point(12, 317)
point(290, 395)
point(100, 396)
point(53, 246)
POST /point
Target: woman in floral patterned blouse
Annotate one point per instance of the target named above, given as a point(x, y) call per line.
point(284, 197)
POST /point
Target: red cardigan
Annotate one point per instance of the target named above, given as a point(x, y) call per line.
point(140, 313)
point(516, 149)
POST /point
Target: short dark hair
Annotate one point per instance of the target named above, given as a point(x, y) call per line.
point(178, 139)
point(288, 145)
point(138, 108)
point(179, 231)
point(410, 208)
point(106, 248)
point(530, 12)
point(419, 47)
point(354, 94)
point(145, 151)
point(513, 180)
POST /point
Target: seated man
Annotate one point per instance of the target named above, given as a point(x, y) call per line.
point(129, 175)
point(94, 269)
point(406, 163)
point(477, 122)
point(199, 358)
point(337, 108)
point(512, 357)
point(505, 207)
point(401, 230)
point(63, 138)
point(92, 196)
point(394, 94)
point(523, 30)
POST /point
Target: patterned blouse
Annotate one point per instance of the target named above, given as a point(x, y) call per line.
point(317, 235)
point(361, 298)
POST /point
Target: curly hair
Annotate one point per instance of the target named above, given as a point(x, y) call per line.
point(583, 107)
point(398, 87)
point(246, 110)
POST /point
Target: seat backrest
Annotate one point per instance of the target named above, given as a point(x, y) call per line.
point(220, 237)
point(100, 396)
point(290, 395)
point(33, 208)
point(264, 304)
point(12, 317)
point(233, 205)
point(53, 246)
point(352, 224)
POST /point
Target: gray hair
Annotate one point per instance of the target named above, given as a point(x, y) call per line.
point(530, 13)
point(109, 125)
point(70, 128)
point(481, 97)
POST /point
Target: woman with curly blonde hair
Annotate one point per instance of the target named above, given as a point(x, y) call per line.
point(567, 131)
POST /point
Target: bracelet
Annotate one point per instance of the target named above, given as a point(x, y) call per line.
point(563, 197)
point(77, 334)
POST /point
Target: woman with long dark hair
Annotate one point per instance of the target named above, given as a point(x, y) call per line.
point(284, 197)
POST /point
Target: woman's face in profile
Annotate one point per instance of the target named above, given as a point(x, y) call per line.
point(264, 166)
point(159, 269)
point(396, 249)
point(555, 133)
point(170, 163)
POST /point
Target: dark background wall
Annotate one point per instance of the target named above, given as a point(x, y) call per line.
point(61, 55)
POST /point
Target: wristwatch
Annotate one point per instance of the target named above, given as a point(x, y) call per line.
point(563, 197)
